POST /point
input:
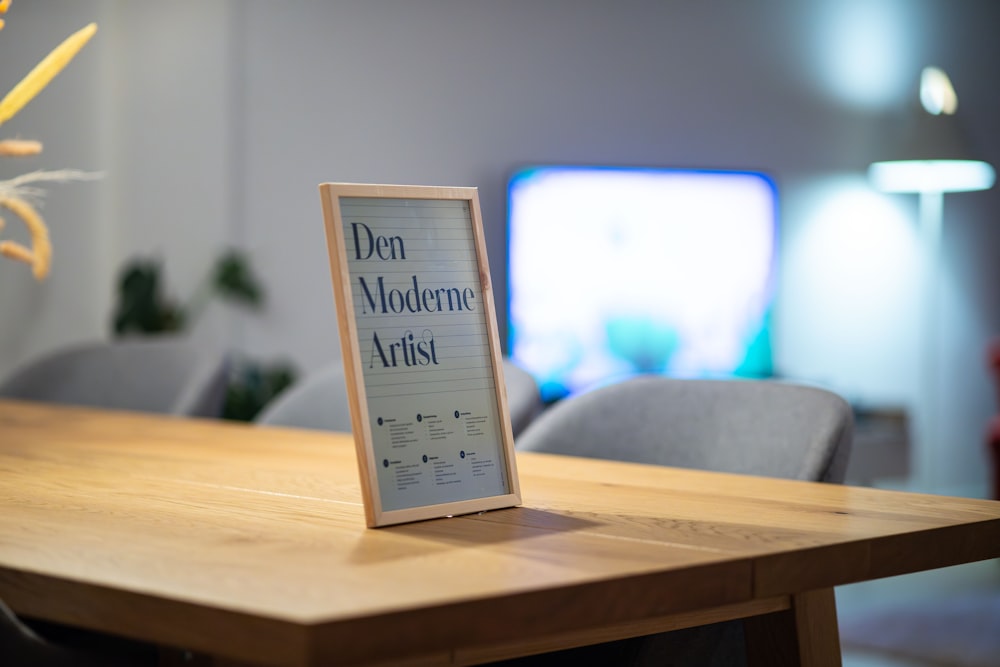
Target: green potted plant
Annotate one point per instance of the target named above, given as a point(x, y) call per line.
point(144, 308)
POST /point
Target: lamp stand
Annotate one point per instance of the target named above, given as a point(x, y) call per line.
point(927, 444)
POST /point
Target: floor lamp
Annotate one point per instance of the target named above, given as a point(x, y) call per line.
point(931, 158)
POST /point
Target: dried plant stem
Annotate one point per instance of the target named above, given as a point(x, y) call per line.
point(23, 188)
point(44, 72)
point(14, 250)
point(16, 194)
point(19, 147)
point(41, 245)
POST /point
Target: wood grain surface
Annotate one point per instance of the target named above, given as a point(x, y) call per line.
point(249, 543)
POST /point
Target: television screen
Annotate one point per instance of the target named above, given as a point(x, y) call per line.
point(614, 272)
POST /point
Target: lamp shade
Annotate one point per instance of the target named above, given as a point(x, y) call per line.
point(930, 153)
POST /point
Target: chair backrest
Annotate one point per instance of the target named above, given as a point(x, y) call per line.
point(320, 401)
point(757, 427)
point(524, 400)
point(159, 374)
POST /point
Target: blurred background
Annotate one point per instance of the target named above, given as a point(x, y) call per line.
point(213, 123)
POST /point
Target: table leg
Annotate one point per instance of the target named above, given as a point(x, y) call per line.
point(806, 635)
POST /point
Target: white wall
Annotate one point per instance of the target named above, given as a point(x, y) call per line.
point(170, 180)
point(216, 120)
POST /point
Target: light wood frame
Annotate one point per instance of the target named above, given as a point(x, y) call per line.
point(334, 197)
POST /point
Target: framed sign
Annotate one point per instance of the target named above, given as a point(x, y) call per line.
point(421, 352)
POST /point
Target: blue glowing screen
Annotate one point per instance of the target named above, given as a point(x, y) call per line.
point(614, 272)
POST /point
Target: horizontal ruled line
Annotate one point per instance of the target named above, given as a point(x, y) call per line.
point(423, 382)
point(460, 329)
point(447, 266)
point(428, 388)
point(398, 227)
point(404, 280)
point(484, 365)
point(379, 321)
point(454, 362)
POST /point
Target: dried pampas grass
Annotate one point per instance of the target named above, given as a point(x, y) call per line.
point(44, 72)
point(19, 147)
point(40, 255)
point(21, 194)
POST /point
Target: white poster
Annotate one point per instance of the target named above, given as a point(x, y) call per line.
point(424, 348)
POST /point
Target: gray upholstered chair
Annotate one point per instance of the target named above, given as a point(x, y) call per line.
point(56, 646)
point(752, 427)
point(20, 642)
point(524, 400)
point(158, 374)
point(756, 427)
point(320, 401)
point(24, 646)
point(317, 402)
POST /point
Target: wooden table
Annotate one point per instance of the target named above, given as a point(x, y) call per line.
point(249, 544)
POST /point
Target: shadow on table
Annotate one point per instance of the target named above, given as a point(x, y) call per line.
point(515, 524)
